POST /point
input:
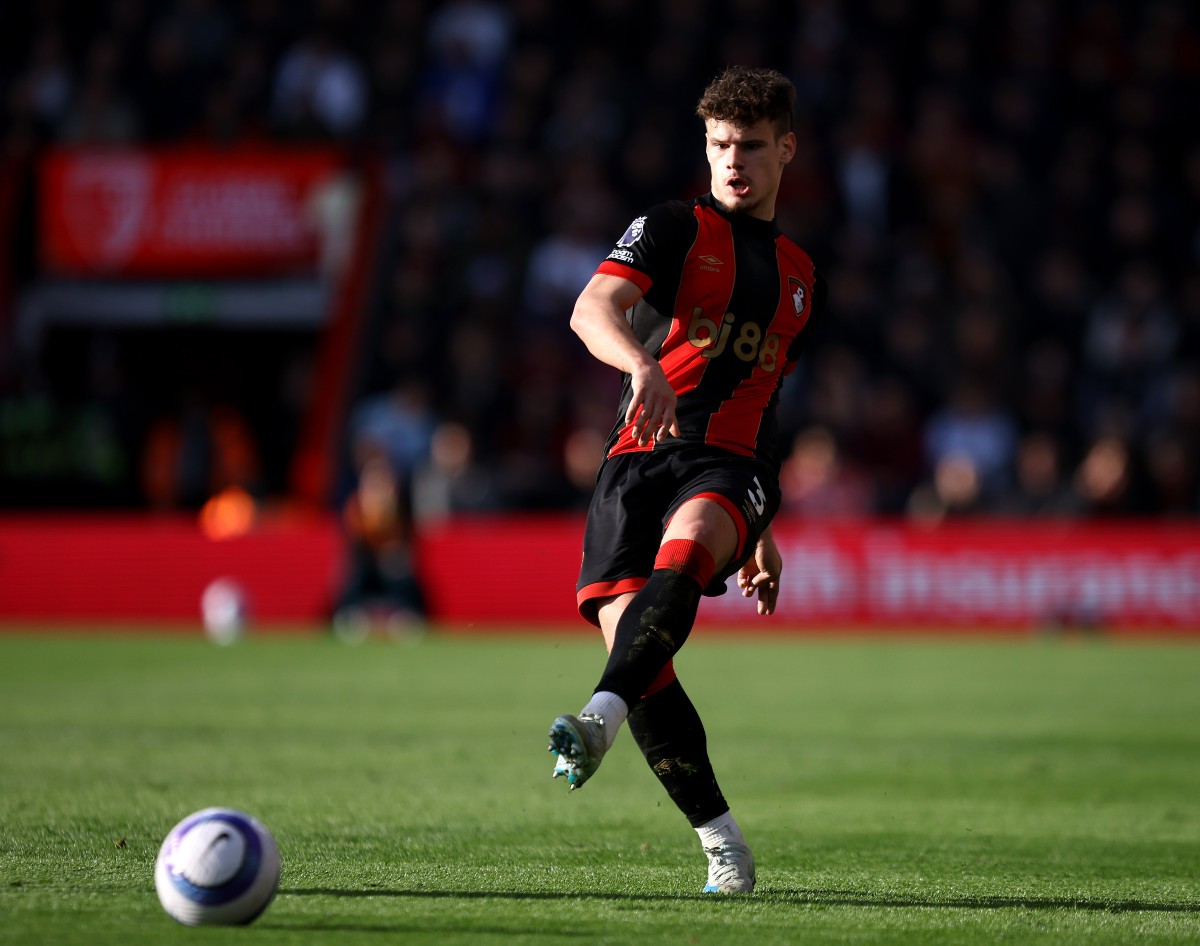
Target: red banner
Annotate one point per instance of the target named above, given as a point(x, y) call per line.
point(519, 572)
point(190, 212)
point(118, 569)
point(1003, 575)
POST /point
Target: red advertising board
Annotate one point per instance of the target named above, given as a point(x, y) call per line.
point(1003, 575)
point(519, 572)
point(154, 569)
point(995, 574)
point(188, 212)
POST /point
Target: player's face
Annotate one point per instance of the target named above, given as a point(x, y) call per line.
point(746, 165)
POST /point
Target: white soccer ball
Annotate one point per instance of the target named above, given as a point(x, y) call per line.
point(223, 609)
point(217, 866)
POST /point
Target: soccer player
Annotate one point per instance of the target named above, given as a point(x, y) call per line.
point(704, 307)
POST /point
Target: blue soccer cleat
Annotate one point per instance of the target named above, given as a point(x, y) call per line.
point(730, 868)
point(580, 743)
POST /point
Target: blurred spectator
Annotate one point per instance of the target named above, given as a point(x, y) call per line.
point(582, 452)
point(46, 85)
point(954, 490)
point(1130, 341)
point(1172, 476)
point(561, 263)
point(381, 584)
point(975, 428)
point(1040, 485)
point(101, 112)
point(459, 90)
point(400, 422)
point(1104, 482)
point(320, 89)
point(452, 481)
point(819, 482)
point(888, 444)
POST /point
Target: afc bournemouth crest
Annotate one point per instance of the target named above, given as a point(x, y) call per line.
point(799, 294)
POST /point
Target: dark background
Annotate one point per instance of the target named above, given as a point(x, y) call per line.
point(1004, 197)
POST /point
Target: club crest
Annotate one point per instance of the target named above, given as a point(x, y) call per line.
point(799, 294)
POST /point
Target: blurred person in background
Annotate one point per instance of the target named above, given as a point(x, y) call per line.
point(1104, 482)
point(704, 306)
point(977, 425)
point(953, 491)
point(1039, 484)
point(381, 585)
point(818, 480)
point(320, 89)
point(400, 420)
point(452, 481)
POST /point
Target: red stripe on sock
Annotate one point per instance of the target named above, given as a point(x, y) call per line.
point(665, 678)
point(688, 557)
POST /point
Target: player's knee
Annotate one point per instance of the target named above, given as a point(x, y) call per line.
point(686, 557)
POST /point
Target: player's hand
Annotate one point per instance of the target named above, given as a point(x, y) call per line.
point(761, 574)
point(652, 406)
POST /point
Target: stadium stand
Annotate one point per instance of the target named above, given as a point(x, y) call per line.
point(1005, 197)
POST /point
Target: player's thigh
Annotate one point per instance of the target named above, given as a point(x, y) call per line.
point(709, 522)
point(745, 489)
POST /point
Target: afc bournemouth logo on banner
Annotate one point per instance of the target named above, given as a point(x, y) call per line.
point(106, 204)
point(799, 294)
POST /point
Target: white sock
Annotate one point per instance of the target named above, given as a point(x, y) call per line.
point(722, 828)
point(611, 708)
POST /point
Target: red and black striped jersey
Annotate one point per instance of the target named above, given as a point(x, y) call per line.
point(728, 302)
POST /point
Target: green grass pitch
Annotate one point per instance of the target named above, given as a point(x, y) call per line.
point(931, 792)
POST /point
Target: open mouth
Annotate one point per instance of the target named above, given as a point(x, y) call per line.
point(739, 187)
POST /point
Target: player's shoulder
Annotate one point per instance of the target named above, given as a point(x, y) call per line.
point(656, 237)
point(795, 254)
point(668, 215)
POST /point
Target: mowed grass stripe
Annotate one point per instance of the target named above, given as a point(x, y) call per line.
point(895, 791)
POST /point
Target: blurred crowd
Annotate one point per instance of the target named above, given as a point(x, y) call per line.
point(1004, 196)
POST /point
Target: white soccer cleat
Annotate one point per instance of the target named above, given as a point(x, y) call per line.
point(730, 868)
point(580, 743)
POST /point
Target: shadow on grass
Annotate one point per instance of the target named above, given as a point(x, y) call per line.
point(830, 898)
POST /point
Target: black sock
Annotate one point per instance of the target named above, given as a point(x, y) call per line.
point(650, 632)
point(668, 730)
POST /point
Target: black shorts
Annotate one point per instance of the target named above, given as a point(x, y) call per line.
point(636, 495)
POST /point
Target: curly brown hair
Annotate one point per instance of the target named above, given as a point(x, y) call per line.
point(743, 97)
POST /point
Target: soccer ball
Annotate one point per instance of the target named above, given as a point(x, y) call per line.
point(217, 866)
point(223, 609)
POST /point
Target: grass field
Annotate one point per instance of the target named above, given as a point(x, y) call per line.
point(894, 792)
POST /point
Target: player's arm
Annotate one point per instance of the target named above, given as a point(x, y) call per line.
point(599, 320)
point(761, 573)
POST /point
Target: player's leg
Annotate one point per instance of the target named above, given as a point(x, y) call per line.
point(699, 540)
point(671, 736)
point(650, 627)
point(668, 730)
point(621, 539)
point(581, 741)
point(643, 632)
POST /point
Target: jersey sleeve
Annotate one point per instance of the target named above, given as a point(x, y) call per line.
point(816, 318)
point(652, 245)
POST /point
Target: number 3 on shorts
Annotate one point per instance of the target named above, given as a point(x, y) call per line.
point(758, 498)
